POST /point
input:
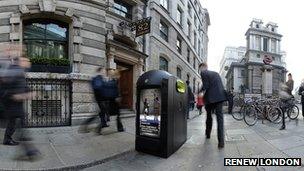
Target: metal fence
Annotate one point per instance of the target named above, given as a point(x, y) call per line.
point(50, 105)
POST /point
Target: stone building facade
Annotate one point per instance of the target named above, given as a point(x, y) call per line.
point(264, 62)
point(85, 32)
point(231, 54)
point(178, 41)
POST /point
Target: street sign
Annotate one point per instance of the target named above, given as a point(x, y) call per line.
point(267, 59)
point(141, 27)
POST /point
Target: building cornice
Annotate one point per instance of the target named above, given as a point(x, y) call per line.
point(250, 30)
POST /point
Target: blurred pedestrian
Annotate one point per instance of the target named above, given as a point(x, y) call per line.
point(15, 91)
point(290, 84)
point(230, 96)
point(301, 93)
point(190, 98)
point(214, 96)
point(98, 84)
point(112, 93)
point(285, 97)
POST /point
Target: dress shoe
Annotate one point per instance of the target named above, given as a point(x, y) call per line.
point(10, 142)
point(282, 128)
point(221, 145)
point(207, 136)
point(26, 139)
point(83, 129)
point(104, 125)
point(121, 130)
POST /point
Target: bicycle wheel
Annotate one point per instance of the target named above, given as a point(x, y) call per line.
point(293, 112)
point(239, 115)
point(250, 116)
point(275, 115)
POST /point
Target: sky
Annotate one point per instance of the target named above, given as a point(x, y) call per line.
point(230, 20)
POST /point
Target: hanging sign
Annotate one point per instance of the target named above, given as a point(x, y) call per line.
point(141, 27)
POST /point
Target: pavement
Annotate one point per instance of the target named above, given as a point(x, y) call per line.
point(65, 149)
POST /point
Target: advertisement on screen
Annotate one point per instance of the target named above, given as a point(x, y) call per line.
point(150, 113)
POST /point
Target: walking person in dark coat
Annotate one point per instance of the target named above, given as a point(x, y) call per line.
point(190, 98)
point(214, 96)
point(301, 93)
point(230, 97)
point(114, 98)
point(98, 85)
point(15, 92)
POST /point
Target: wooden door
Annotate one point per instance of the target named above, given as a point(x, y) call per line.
point(126, 88)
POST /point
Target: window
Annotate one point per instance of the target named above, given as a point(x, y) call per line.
point(199, 48)
point(272, 29)
point(188, 77)
point(123, 9)
point(179, 17)
point(163, 30)
point(46, 38)
point(179, 72)
point(179, 45)
point(195, 40)
point(258, 56)
point(243, 73)
point(163, 64)
point(257, 26)
point(195, 20)
point(189, 28)
point(188, 55)
point(194, 62)
point(189, 10)
point(194, 85)
point(164, 3)
point(265, 44)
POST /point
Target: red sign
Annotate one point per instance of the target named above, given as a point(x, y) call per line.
point(267, 59)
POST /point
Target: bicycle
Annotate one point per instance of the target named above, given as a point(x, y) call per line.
point(262, 109)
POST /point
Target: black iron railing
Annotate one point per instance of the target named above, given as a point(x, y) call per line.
point(50, 105)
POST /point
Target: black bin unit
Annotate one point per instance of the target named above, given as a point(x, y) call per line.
point(161, 121)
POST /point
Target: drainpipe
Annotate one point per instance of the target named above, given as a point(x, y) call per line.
point(144, 37)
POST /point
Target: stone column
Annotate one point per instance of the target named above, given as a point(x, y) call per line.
point(267, 79)
point(254, 42)
point(250, 77)
point(277, 47)
point(251, 42)
point(269, 45)
point(262, 44)
point(110, 58)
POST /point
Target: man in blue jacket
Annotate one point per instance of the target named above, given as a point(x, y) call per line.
point(214, 96)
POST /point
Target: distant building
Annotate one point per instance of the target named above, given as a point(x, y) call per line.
point(231, 54)
point(263, 68)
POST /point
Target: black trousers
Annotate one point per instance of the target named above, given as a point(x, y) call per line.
point(230, 106)
point(303, 108)
point(218, 108)
point(114, 110)
point(103, 107)
point(10, 129)
point(17, 125)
